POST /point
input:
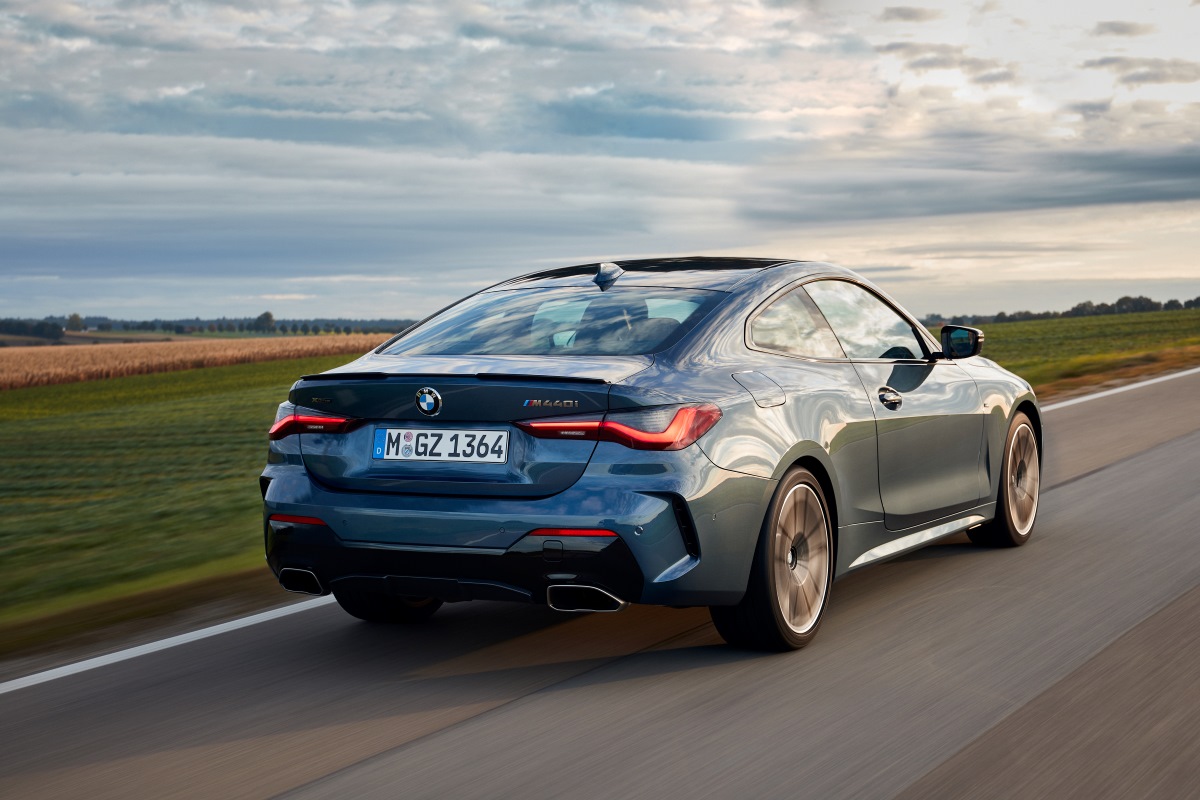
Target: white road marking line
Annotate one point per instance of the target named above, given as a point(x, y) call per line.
point(162, 644)
point(266, 616)
point(1126, 388)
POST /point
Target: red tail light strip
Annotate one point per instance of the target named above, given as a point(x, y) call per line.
point(560, 532)
point(297, 520)
point(567, 429)
point(688, 425)
point(311, 423)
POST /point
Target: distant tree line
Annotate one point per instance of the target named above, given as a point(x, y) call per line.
point(52, 328)
point(1124, 305)
point(24, 327)
point(264, 324)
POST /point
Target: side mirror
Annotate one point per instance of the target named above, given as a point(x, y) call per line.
point(959, 341)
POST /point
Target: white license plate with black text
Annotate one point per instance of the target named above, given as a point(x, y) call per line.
point(450, 444)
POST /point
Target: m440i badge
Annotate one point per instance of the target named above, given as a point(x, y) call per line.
point(551, 403)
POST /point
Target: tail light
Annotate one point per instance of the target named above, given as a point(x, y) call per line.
point(292, 519)
point(561, 532)
point(659, 428)
point(299, 422)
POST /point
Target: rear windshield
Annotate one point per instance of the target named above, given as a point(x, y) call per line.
point(562, 321)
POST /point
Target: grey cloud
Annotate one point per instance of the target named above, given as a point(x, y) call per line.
point(38, 29)
point(1011, 178)
point(921, 57)
point(1143, 169)
point(1119, 28)
point(995, 76)
point(294, 242)
point(232, 208)
point(1147, 70)
point(847, 44)
point(586, 117)
point(236, 117)
point(532, 37)
point(1091, 109)
point(986, 250)
point(1142, 123)
point(882, 269)
point(909, 14)
point(645, 115)
point(40, 110)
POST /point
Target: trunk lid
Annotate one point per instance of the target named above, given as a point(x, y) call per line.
point(475, 397)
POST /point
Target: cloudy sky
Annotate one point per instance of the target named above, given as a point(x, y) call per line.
point(377, 159)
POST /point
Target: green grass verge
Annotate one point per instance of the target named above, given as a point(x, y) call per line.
point(246, 561)
point(1051, 350)
point(120, 487)
point(113, 486)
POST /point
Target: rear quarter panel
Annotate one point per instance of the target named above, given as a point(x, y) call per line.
point(826, 415)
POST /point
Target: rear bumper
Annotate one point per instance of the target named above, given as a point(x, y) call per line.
point(686, 532)
point(519, 573)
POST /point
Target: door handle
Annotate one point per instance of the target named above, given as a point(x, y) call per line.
point(890, 398)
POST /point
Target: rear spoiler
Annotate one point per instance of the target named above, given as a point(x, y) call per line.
point(483, 376)
point(350, 376)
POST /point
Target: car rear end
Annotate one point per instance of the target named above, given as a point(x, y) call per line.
point(460, 466)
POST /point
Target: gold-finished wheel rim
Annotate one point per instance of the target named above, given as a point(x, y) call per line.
point(1023, 479)
point(800, 558)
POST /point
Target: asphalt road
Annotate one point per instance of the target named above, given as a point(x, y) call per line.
point(1065, 667)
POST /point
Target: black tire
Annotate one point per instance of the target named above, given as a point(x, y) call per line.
point(383, 608)
point(1020, 488)
point(793, 562)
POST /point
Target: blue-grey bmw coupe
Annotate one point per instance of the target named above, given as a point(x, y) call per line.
point(732, 433)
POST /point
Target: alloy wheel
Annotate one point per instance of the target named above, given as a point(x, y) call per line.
point(800, 558)
point(1024, 479)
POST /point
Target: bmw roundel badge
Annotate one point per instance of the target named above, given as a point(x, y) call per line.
point(429, 402)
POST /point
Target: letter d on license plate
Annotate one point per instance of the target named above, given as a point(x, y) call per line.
point(443, 444)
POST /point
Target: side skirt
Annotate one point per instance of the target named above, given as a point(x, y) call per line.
point(870, 549)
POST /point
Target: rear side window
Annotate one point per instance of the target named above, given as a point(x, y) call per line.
point(561, 321)
point(793, 325)
point(866, 326)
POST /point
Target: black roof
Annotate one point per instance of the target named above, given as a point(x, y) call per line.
point(702, 272)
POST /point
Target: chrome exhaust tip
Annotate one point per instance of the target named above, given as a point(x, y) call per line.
point(300, 581)
point(570, 597)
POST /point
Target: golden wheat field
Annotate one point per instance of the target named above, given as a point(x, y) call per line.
point(40, 366)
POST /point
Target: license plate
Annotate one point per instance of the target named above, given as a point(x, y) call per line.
point(445, 444)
